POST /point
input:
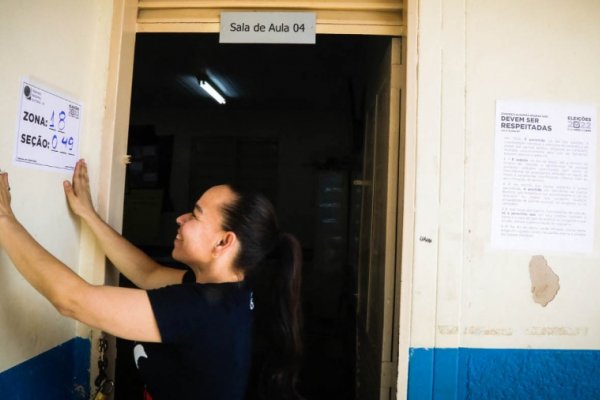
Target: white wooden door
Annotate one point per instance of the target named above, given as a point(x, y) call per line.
point(377, 350)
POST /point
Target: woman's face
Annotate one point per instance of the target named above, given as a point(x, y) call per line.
point(200, 231)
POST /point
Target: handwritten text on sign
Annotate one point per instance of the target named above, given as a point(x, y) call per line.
point(47, 129)
point(268, 27)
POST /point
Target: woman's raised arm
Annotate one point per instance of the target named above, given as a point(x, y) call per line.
point(127, 258)
point(122, 312)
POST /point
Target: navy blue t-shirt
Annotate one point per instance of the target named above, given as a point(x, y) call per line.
point(206, 332)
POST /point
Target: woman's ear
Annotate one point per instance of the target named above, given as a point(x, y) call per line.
point(228, 240)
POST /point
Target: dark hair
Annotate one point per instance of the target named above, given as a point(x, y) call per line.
point(271, 261)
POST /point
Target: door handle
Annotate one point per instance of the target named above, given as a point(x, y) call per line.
point(361, 182)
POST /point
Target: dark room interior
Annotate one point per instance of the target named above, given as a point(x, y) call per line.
point(292, 127)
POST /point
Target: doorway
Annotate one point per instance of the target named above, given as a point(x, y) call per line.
point(293, 127)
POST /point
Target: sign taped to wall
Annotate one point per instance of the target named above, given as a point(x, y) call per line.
point(47, 129)
point(545, 177)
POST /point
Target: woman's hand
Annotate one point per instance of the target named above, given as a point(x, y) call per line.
point(5, 209)
point(78, 193)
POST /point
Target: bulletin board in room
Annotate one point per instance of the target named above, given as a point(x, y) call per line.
point(374, 17)
point(249, 163)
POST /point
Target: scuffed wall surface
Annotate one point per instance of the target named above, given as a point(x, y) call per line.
point(470, 55)
point(467, 295)
point(62, 45)
point(540, 52)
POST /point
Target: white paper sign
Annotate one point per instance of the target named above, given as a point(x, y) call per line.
point(545, 177)
point(47, 129)
point(268, 27)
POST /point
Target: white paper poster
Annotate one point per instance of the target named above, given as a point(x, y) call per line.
point(47, 129)
point(545, 177)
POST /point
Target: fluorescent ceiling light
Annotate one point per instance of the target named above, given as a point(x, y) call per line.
point(212, 92)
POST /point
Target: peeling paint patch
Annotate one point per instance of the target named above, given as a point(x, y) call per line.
point(448, 329)
point(544, 282)
point(80, 391)
point(485, 331)
point(556, 331)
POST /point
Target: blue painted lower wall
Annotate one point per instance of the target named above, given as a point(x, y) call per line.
point(466, 373)
point(62, 373)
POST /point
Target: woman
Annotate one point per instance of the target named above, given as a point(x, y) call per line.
point(237, 305)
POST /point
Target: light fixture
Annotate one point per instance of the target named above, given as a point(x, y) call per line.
point(211, 91)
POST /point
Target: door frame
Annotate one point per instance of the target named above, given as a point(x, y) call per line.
point(114, 158)
point(366, 17)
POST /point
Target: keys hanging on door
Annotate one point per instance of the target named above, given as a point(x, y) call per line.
point(104, 385)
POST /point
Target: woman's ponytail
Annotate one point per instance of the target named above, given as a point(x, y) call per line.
point(282, 361)
point(272, 262)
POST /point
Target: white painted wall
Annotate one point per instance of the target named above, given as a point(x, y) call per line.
point(471, 53)
point(63, 45)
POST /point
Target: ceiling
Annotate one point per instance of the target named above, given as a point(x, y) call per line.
point(327, 75)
